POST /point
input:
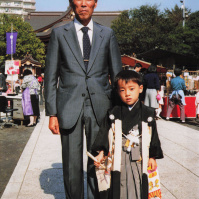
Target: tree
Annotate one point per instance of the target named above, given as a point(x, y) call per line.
point(146, 28)
point(27, 42)
point(123, 29)
point(193, 20)
point(183, 40)
point(174, 16)
point(193, 24)
point(141, 29)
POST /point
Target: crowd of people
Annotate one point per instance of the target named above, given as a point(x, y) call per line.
point(154, 91)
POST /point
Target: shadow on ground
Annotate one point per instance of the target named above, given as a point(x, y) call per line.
point(51, 181)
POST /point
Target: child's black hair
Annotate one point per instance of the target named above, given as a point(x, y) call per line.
point(128, 75)
point(177, 71)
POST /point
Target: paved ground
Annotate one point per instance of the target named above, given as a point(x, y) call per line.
point(190, 122)
point(38, 173)
point(179, 170)
point(12, 144)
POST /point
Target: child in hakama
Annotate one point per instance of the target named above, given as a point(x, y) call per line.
point(128, 137)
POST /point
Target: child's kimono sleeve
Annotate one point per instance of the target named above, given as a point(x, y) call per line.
point(155, 150)
point(101, 142)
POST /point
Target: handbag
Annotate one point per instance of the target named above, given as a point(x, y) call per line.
point(158, 97)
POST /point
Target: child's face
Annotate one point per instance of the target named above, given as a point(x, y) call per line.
point(129, 92)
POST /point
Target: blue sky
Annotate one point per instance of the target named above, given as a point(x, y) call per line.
point(116, 5)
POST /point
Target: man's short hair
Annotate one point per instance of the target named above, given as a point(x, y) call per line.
point(152, 69)
point(128, 75)
point(138, 65)
point(177, 71)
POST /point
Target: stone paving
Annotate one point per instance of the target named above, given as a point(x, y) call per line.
point(38, 173)
point(12, 143)
point(179, 170)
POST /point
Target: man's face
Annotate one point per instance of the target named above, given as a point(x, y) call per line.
point(129, 92)
point(83, 10)
point(137, 69)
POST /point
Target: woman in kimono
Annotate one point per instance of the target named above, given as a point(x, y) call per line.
point(128, 135)
point(30, 82)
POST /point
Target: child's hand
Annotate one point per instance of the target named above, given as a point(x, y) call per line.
point(152, 163)
point(100, 158)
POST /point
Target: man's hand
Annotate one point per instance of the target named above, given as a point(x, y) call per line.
point(152, 163)
point(54, 125)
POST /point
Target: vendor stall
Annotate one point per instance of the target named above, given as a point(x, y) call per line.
point(192, 83)
point(131, 61)
point(190, 109)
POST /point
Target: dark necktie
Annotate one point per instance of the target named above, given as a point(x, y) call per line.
point(86, 46)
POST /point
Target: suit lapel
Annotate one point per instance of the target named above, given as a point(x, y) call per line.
point(96, 43)
point(70, 36)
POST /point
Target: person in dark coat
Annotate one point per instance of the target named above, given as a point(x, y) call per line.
point(152, 85)
point(3, 87)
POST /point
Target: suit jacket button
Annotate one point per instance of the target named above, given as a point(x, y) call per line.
point(83, 95)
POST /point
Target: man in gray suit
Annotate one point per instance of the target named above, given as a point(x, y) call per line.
point(78, 90)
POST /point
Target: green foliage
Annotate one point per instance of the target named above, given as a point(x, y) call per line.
point(174, 16)
point(123, 25)
point(146, 28)
point(26, 39)
point(193, 20)
point(142, 29)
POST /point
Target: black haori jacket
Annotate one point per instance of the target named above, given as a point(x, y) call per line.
point(119, 119)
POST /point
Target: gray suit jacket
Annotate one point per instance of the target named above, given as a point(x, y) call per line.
point(67, 81)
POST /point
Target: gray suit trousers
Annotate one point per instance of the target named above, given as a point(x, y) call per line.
point(72, 155)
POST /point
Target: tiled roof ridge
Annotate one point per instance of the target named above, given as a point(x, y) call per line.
point(28, 57)
point(59, 19)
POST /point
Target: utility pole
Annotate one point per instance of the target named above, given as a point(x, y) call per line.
point(184, 12)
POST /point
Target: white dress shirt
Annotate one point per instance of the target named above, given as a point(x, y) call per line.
point(78, 27)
